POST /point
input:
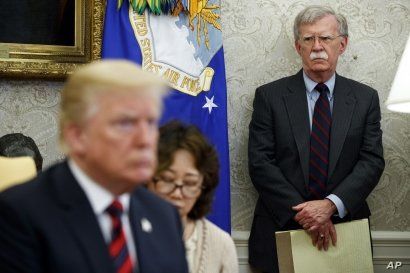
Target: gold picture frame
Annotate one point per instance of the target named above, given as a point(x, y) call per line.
point(56, 61)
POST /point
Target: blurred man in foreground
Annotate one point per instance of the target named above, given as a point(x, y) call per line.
point(90, 213)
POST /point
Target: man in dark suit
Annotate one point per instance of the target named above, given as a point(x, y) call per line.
point(91, 213)
point(315, 143)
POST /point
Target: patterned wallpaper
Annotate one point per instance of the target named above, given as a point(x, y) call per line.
point(258, 44)
point(31, 108)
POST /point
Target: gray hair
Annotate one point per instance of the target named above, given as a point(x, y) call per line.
point(311, 14)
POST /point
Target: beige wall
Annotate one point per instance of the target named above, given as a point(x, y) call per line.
point(258, 47)
point(31, 107)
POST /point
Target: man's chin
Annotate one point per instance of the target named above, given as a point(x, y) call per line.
point(140, 177)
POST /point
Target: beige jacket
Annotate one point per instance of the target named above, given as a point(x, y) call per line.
point(210, 250)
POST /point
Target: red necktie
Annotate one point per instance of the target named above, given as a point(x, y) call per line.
point(319, 144)
point(118, 246)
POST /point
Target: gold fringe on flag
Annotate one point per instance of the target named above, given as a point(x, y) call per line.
point(158, 7)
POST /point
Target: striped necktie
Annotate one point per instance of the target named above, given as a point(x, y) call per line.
point(118, 245)
point(319, 144)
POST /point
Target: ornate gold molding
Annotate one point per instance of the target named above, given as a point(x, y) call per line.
point(53, 61)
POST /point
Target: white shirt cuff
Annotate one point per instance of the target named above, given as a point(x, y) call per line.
point(341, 209)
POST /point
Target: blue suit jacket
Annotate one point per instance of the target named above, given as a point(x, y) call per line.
point(48, 225)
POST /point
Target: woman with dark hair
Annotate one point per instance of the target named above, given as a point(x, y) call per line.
point(17, 144)
point(187, 176)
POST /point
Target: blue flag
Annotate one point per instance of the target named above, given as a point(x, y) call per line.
point(186, 50)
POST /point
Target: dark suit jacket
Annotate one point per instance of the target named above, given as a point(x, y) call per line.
point(48, 225)
point(279, 139)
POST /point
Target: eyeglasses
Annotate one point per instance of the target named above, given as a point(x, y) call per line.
point(167, 185)
point(323, 39)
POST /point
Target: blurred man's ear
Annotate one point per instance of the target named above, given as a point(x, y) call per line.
point(75, 139)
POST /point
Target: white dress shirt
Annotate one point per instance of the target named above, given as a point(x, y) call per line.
point(312, 97)
point(100, 199)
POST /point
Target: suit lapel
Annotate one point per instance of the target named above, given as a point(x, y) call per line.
point(297, 108)
point(343, 106)
point(142, 236)
point(82, 221)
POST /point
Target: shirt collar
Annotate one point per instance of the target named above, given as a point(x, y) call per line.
point(99, 197)
point(310, 84)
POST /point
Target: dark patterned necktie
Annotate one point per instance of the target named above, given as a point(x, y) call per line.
point(118, 246)
point(319, 144)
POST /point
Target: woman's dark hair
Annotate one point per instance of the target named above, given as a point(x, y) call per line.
point(176, 136)
point(17, 144)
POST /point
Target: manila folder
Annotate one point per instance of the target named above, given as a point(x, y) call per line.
point(352, 253)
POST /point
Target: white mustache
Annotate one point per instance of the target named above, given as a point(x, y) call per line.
point(318, 55)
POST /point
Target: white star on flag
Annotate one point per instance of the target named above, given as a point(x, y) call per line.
point(209, 104)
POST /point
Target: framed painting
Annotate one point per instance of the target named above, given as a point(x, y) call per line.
point(49, 38)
